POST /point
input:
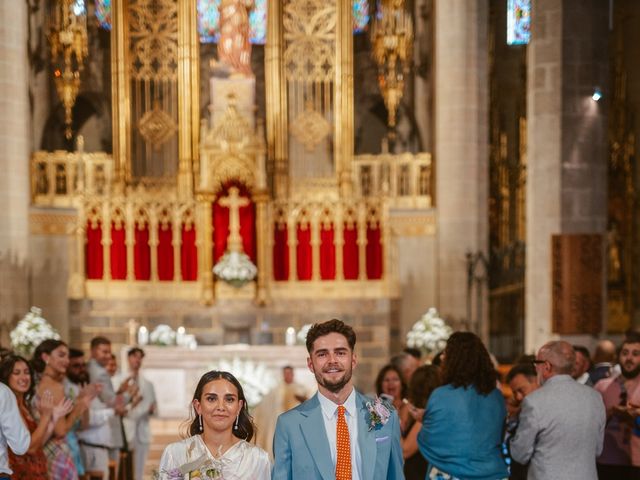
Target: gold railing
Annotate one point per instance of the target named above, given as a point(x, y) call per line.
point(334, 214)
point(404, 179)
point(153, 210)
point(85, 181)
point(57, 177)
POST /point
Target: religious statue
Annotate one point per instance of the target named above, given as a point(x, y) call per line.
point(234, 47)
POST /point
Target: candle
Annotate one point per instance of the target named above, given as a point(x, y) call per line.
point(290, 337)
point(143, 335)
point(180, 336)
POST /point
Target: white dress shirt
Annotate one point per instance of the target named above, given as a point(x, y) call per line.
point(330, 417)
point(13, 432)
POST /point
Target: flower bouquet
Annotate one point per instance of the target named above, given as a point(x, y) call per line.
point(30, 332)
point(162, 335)
point(429, 334)
point(301, 336)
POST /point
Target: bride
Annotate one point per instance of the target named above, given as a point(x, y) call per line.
point(218, 444)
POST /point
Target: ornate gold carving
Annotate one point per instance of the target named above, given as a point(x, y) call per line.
point(231, 151)
point(310, 128)
point(413, 225)
point(392, 39)
point(157, 127)
point(309, 34)
point(153, 31)
point(69, 47)
point(53, 223)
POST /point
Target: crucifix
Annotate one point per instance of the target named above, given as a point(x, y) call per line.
point(234, 201)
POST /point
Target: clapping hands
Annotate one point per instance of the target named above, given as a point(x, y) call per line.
point(62, 409)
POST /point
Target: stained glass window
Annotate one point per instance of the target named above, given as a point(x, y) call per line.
point(360, 15)
point(103, 13)
point(208, 18)
point(518, 22)
point(79, 8)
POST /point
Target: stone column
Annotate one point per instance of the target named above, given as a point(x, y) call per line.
point(15, 142)
point(566, 137)
point(461, 148)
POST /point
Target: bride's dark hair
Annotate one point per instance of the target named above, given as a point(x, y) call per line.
point(245, 428)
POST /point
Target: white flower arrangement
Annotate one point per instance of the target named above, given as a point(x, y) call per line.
point(256, 379)
point(30, 332)
point(162, 335)
point(429, 334)
point(302, 333)
point(235, 268)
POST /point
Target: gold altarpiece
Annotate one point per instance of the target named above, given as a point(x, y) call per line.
point(168, 163)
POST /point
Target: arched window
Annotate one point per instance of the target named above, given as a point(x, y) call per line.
point(208, 18)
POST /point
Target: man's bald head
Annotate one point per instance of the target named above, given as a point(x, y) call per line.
point(560, 355)
point(605, 352)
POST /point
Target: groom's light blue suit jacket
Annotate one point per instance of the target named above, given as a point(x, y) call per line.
point(301, 449)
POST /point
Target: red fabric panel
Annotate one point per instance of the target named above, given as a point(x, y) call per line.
point(118, 253)
point(165, 253)
point(374, 252)
point(248, 230)
point(350, 257)
point(220, 218)
point(94, 253)
point(280, 253)
point(189, 254)
point(303, 253)
point(142, 253)
point(327, 254)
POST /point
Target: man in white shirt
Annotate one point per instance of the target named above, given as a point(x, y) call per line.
point(13, 432)
point(136, 422)
point(338, 433)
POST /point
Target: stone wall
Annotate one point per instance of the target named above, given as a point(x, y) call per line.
point(566, 167)
point(15, 143)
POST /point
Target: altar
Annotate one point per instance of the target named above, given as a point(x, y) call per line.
point(175, 371)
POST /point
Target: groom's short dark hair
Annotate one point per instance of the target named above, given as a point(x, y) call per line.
point(332, 326)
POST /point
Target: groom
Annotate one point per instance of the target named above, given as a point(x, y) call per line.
point(335, 435)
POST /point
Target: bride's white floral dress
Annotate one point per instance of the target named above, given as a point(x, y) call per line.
point(190, 458)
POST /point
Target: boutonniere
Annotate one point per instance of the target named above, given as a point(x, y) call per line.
point(379, 413)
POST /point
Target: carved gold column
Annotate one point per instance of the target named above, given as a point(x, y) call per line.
point(344, 97)
point(261, 199)
point(154, 228)
point(188, 96)
point(276, 95)
point(120, 91)
point(385, 240)
point(129, 239)
point(315, 227)
point(106, 240)
point(338, 241)
point(176, 243)
point(204, 236)
point(362, 241)
point(293, 247)
point(75, 288)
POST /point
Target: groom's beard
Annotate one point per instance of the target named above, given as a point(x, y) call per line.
point(337, 385)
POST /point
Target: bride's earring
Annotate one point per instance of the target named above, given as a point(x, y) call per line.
point(200, 421)
point(235, 427)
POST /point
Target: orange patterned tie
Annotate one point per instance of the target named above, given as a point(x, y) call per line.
point(343, 461)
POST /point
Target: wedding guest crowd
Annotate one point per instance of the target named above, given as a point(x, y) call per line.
point(559, 414)
point(60, 418)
